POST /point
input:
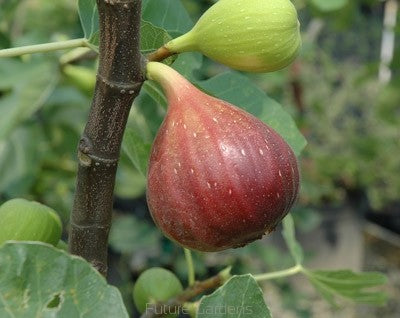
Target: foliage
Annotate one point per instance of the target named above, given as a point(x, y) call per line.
point(61, 282)
point(352, 137)
point(223, 303)
point(44, 100)
point(40, 280)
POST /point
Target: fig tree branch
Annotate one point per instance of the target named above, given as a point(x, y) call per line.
point(175, 304)
point(119, 79)
point(198, 288)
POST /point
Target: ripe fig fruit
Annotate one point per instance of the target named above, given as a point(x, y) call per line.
point(218, 177)
point(247, 35)
point(22, 220)
point(155, 285)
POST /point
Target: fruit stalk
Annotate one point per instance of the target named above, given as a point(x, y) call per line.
point(119, 79)
point(43, 48)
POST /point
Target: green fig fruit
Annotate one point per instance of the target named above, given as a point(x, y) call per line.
point(156, 285)
point(22, 220)
point(247, 35)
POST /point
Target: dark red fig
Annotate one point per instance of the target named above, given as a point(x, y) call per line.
point(218, 177)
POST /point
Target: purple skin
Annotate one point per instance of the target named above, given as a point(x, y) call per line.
point(218, 177)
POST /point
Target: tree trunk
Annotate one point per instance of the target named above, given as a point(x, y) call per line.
point(119, 79)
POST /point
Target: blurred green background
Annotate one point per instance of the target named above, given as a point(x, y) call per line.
point(339, 91)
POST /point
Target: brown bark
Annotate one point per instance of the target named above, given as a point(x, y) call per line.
point(119, 79)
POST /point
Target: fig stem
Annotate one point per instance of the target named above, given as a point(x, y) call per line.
point(159, 55)
point(278, 274)
point(189, 262)
point(165, 75)
point(43, 48)
point(183, 43)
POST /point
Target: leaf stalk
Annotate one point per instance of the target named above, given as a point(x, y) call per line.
point(43, 48)
point(279, 274)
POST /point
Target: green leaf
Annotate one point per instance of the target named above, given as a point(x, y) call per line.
point(4, 41)
point(154, 90)
point(170, 15)
point(289, 235)
point(144, 121)
point(30, 84)
point(19, 160)
point(330, 5)
point(37, 280)
point(137, 150)
point(187, 63)
point(240, 296)
point(152, 38)
point(146, 116)
point(349, 285)
point(129, 235)
point(8, 8)
point(89, 17)
point(130, 183)
point(239, 90)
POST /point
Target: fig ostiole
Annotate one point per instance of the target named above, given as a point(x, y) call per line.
point(23, 220)
point(218, 177)
point(247, 35)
